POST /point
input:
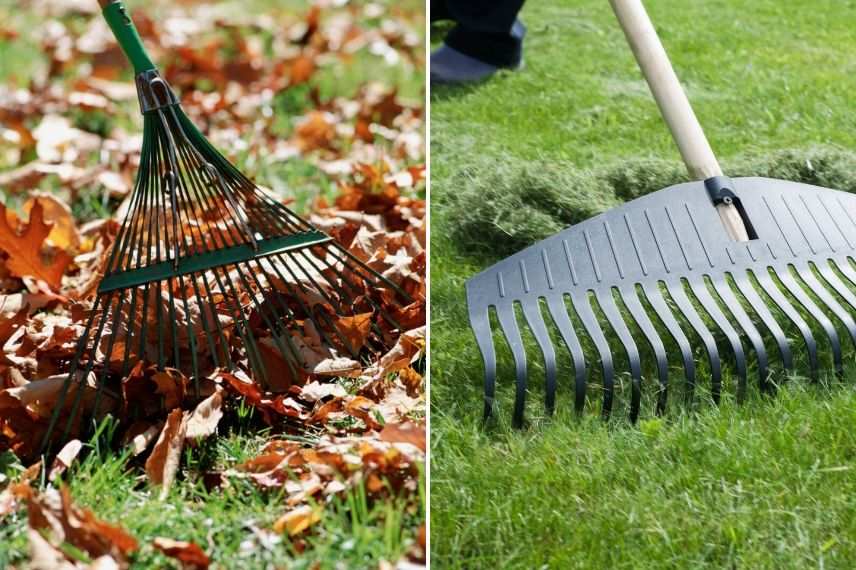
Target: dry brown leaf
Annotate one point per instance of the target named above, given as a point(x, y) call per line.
point(315, 131)
point(141, 435)
point(405, 432)
point(297, 520)
point(302, 69)
point(204, 419)
point(189, 554)
point(339, 367)
point(363, 408)
point(162, 464)
point(25, 249)
point(355, 329)
point(315, 391)
point(64, 522)
point(64, 458)
point(63, 234)
point(172, 385)
point(46, 556)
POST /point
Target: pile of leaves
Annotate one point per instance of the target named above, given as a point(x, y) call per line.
point(69, 151)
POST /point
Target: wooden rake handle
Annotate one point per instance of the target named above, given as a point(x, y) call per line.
point(673, 103)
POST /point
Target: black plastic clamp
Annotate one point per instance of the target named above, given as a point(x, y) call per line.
point(154, 92)
point(721, 190)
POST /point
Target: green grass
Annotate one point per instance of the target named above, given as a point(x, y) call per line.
point(768, 484)
point(231, 523)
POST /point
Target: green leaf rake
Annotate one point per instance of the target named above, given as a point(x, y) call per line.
point(208, 271)
point(722, 268)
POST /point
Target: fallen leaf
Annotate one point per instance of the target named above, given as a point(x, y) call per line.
point(24, 249)
point(363, 408)
point(162, 464)
point(54, 514)
point(405, 432)
point(64, 233)
point(314, 391)
point(189, 554)
point(64, 458)
point(297, 520)
point(140, 436)
point(355, 329)
point(204, 419)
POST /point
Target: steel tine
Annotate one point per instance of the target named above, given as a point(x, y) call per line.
point(559, 313)
point(769, 287)
point(760, 307)
point(725, 293)
point(807, 275)
point(631, 301)
point(817, 314)
point(658, 303)
point(532, 313)
point(81, 348)
point(704, 297)
point(610, 311)
point(480, 323)
point(586, 315)
point(508, 323)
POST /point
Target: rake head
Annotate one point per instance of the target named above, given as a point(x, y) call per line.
point(664, 265)
point(210, 273)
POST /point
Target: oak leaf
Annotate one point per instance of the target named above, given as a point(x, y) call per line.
point(24, 249)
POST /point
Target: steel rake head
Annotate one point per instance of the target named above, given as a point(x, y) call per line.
point(209, 272)
point(668, 260)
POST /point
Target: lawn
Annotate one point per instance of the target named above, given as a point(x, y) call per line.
point(765, 484)
point(368, 524)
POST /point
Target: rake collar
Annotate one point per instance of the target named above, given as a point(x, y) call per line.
point(154, 92)
point(721, 190)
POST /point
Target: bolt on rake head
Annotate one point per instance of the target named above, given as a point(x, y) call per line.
point(668, 260)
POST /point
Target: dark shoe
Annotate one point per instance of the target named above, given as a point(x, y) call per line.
point(450, 65)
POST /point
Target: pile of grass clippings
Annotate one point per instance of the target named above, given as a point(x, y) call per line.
point(500, 207)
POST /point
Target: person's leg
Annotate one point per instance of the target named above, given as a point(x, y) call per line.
point(487, 30)
point(440, 11)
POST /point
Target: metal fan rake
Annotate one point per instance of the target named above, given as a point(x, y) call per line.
point(704, 261)
point(209, 272)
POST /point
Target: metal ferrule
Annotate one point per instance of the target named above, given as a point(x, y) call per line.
point(154, 92)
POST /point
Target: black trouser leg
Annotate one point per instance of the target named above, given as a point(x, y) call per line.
point(484, 29)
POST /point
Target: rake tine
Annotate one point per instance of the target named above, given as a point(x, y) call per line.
point(760, 307)
point(508, 323)
point(105, 371)
point(82, 345)
point(610, 311)
point(480, 324)
point(532, 313)
point(799, 293)
point(83, 383)
point(634, 306)
point(592, 327)
point(704, 297)
point(679, 296)
point(559, 313)
point(655, 298)
point(807, 275)
point(846, 269)
point(832, 278)
point(725, 293)
point(767, 284)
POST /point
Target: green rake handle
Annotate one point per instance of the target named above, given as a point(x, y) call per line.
point(126, 34)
